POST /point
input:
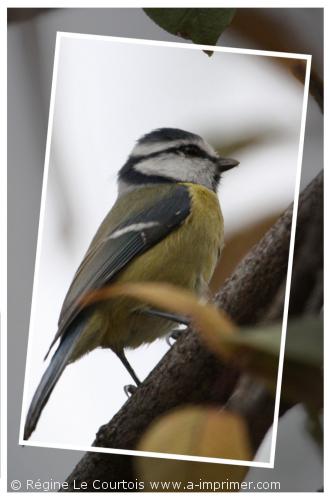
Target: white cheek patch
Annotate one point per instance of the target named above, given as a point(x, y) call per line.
point(132, 228)
point(171, 166)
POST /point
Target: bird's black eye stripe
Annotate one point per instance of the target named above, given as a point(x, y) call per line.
point(191, 150)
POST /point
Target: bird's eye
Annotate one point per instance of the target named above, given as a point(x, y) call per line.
point(190, 150)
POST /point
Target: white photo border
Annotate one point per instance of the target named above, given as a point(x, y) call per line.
point(177, 45)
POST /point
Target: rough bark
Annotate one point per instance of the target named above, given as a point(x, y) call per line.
point(188, 373)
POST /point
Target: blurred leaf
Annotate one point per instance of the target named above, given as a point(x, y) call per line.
point(304, 340)
point(257, 351)
point(314, 426)
point(174, 299)
point(202, 26)
point(186, 476)
point(253, 350)
point(196, 431)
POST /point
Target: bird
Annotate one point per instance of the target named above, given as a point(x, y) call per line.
point(165, 226)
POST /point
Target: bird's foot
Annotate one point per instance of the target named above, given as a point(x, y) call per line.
point(172, 337)
point(129, 390)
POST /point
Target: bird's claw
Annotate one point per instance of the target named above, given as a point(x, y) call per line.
point(172, 337)
point(129, 390)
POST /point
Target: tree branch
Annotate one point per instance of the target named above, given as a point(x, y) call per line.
point(189, 373)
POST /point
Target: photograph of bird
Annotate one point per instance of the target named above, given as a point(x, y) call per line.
point(165, 226)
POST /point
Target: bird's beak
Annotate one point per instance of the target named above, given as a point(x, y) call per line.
point(226, 164)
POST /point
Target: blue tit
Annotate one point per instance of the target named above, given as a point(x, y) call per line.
point(166, 226)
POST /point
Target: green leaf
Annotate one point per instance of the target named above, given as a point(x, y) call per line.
point(304, 340)
point(202, 26)
point(302, 374)
point(314, 425)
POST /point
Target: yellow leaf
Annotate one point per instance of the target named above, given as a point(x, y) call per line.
point(196, 431)
point(204, 317)
point(248, 350)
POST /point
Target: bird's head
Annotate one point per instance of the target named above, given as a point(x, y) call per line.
point(173, 155)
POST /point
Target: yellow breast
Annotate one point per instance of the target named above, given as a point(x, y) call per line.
point(186, 258)
point(188, 253)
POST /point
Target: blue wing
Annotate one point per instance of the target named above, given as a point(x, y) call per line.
point(119, 245)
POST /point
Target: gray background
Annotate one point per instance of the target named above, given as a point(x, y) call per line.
point(30, 60)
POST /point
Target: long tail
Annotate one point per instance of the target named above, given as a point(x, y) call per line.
point(51, 376)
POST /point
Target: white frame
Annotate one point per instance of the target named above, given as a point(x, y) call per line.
point(307, 58)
